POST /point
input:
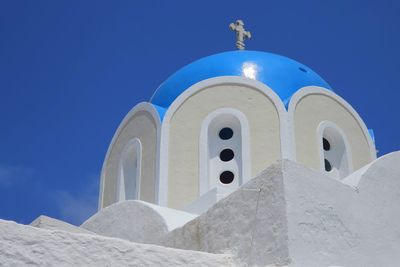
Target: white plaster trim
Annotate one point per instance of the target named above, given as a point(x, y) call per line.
point(316, 90)
point(143, 106)
point(286, 150)
point(204, 183)
point(137, 145)
point(203, 202)
point(320, 132)
point(356, 177)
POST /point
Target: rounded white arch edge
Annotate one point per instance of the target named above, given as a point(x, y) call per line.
point(245, 146)
point(286, 149)
point(134, 146)
point(143, 106)
point(316, 90)
point(322, 127)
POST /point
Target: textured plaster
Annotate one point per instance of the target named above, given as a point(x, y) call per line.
point(250, 223)
point(136, 221)
point(288, 215)
point(331, 223)
point(48, 223)
point(291, 214)
point(23, 245)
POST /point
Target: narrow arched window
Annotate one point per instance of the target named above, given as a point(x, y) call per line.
point(224, 143)
point(334, 150)
point(130, 171)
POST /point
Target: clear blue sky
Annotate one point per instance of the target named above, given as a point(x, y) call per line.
point(71, 70)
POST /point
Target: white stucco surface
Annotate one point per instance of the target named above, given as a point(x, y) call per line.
point(136, 221)
point(331, 223)
point(289, 215)
point(250, 223)
point(48, 223)
point(385, 163)
point(294, 215)
point(23, 245)
point(203, 203)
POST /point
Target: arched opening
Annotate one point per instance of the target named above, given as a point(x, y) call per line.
point(225, 153)
point(223, 148)
point(335, 151)
point(130, 171)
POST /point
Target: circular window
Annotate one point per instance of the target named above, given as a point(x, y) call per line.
point(226, 154)
point(226, 133)
point(226, 177)
point(328, 166)
point(326, 144)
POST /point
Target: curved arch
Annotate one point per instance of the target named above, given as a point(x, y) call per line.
point(129, 179)
point(285, 149)
point(147, 108)
point(341, 159)
point(244, 147)
point(315, 91)
point(283, 74)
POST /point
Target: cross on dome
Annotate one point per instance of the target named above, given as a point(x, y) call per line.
point(241, 33)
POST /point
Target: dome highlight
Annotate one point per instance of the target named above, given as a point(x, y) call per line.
point(283, 75)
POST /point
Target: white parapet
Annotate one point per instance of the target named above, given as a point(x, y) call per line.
point(23, 245)
point(137, 221)
point(291, 214)
point(49, 223)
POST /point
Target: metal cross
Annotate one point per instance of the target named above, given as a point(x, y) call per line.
point(241, 33)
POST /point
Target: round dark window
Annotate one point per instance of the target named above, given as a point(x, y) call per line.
point(328, 166)
point(226, 133)
point(226, 154)
point(326, 144)
point(226, 177)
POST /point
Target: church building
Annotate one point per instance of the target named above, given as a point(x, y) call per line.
point(218, 122)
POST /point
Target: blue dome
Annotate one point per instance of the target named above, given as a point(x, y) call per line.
point(283, 75)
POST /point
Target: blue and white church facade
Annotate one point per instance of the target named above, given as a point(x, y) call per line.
point(219, 121)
